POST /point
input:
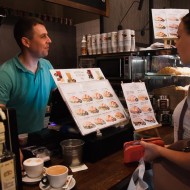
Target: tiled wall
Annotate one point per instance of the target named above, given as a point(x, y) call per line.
point(91, 27)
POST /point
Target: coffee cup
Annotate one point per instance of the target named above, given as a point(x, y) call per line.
point(56, 176)
point(33, 167)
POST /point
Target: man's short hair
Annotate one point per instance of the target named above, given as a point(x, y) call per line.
point(24, 28)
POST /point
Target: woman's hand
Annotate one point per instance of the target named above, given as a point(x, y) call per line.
point(151, 151)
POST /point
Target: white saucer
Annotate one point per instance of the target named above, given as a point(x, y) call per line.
point(29, 180)
point(71, 185)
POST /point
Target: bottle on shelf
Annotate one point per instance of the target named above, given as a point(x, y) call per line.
point(7, 162)
point(132, 40)
point(84, 46)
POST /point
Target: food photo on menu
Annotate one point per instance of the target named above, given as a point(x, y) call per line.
point(74, 99)
point(146, 108)
point(88, 125)
point(86, 98)
point(107, 94)
point(81, 112)
point(93, 104)
point(138, 121)
point(135, 110)
point(110, 118)
point(76, 75)
point(113, 104)
point(132, 98)
point(142, 97)
point(119, 115)
point(99, 121)
point(93, 109)
point(150, 119)
point(103, 107)
point(97, 96)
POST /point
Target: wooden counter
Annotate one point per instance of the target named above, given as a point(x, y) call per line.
point(109, 173)
point(102, 175)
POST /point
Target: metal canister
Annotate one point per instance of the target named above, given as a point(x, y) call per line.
point(163, 102)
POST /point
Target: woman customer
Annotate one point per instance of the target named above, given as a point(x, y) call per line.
point(153, 151)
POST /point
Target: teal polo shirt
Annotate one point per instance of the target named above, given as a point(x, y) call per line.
point(27, 92)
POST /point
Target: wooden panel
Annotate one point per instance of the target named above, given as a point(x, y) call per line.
point(82, 6)
point(99, 4)
point(42, 7)
point(182, 4)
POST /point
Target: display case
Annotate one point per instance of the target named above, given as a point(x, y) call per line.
point(136, 66)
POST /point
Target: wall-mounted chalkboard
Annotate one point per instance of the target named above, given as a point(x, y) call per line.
point(99, 4)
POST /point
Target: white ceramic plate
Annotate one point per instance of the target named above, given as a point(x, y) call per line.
point(29, 180)
point(71, 185)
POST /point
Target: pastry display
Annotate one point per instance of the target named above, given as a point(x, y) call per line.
point(175, 71)
point(135, 110)
point(99, 121)
point(103, 107)
point(97, 96)
point(110, 118)
point(146, 108)
point(86, 98)
point(138, 121)
point(74, 99)
point(132, 98)
point(93, 109)
point(119, 115)
point(88, 125)
point(81, 112)
point(113, 104)
point(108, 94)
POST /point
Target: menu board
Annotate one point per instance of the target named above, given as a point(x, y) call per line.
point(76, 75)
point(166, 22)
point(93, 104)
point(139, 106)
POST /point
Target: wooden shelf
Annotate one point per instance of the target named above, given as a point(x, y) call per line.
point(84, 6)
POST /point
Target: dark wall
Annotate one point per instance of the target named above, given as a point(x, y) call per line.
point(62, 52)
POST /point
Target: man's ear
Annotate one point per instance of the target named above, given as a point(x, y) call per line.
point(25, 41)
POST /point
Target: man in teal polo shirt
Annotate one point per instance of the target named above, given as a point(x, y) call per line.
point(25, 80)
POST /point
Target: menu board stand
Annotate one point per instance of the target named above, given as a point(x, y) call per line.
point(139, 106)
point(166, 22)
point(90, 98)
point(149, 128)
